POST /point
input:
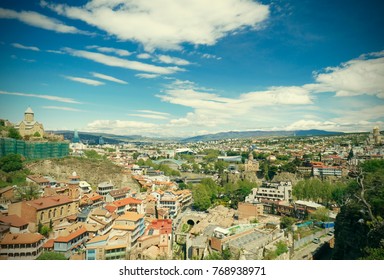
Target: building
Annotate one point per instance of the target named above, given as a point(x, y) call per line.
point(271, 190)
point(133, 223)
point(16, 224)
point(129, 204)
point(21, 246)
point(44, 210)
point(251, 165)
point(108, 247)
point(319, 169)
point(117, 194)
point(156, 241)
point(375, 137)
point(30, 127)
point(104, 188)
point(249, 210)
point(72, 242)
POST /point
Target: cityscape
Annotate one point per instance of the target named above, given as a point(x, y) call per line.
point(178, 130)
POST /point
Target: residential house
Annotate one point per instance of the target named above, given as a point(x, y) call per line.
point(133, 223)
point(72, 242)
point(104, 188)
point(118, 194)
point(21, 246)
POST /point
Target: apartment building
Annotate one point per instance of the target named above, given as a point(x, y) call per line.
point(272, 191)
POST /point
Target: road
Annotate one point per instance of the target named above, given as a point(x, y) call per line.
point(305, 253)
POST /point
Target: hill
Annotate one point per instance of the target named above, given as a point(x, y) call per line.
point(90, 170)
point(258, 133)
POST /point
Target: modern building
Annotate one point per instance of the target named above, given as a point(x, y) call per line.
point(30, 127)
point(272, 191)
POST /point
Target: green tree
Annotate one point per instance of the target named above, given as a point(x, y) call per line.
point(28, 192)
point(287, 222)
point(14, 133)
point(201, 198)
point(11, 162)
point(36, 134)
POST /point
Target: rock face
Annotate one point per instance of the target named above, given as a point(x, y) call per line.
point(90, 170)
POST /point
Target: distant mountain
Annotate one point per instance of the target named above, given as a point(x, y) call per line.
point(258, 133)
point(93, 137)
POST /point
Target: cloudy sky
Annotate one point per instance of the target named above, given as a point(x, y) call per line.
point(191, 67)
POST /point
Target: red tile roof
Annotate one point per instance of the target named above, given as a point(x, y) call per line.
point(21, 238)
point(127, 201)
point(13, 220)
point(49, 202)
point(72, 235)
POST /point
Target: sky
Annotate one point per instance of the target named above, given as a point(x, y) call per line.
point(180, 68)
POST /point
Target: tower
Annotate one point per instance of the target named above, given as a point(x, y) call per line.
point(29, 115)
point(76, 138)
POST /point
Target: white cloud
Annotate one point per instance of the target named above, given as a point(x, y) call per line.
point(119, 52)
point(42, 96)
point(119, 126)
point(149, 116)
point(166, 24)
point(153, 112)
point(147, 76)
point(62, 108)
point(20, 46)
point(55, 51)
point(123, 63)
point(364, 75)
point(144, 56)
point(108, 78)
point(39, 20)
point(84, 81)
point(172, 60)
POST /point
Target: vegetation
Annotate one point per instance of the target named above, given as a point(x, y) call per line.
point(323, 192)
point(281, 248)
point(359, 227)
point(14, 133)
point(51, 256)
point(11, 162)
point(28, 192)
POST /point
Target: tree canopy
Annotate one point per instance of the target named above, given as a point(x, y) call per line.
point(11, 162)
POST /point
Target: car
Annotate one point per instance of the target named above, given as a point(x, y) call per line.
point(316, 240)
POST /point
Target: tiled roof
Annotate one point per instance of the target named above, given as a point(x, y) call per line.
point(13, 220)
point(48, 202)
point(126, 201)
point(72, 235)
point(21, 238)
point(130, 216)
point(38, 179)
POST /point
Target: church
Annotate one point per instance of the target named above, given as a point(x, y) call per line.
point(30, 127)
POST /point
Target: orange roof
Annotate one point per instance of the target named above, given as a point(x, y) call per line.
point(21, 238)
point(48, 202)
point(98, 238)
point(49, 243)
point(126, 201)
point(71, 236)
point(130, 216)
point(124, 227)
point(110, 208)
point(13, 220)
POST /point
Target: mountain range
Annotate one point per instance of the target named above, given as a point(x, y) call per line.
point(93, 137)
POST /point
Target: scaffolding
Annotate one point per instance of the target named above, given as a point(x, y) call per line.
point(33, 150)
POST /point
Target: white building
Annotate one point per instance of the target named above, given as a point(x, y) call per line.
point(271, 191)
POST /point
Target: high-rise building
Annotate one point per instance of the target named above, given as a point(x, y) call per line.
point(375, 138)
point(76, 138)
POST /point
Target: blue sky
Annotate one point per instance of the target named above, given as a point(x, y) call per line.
point(183, 68)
